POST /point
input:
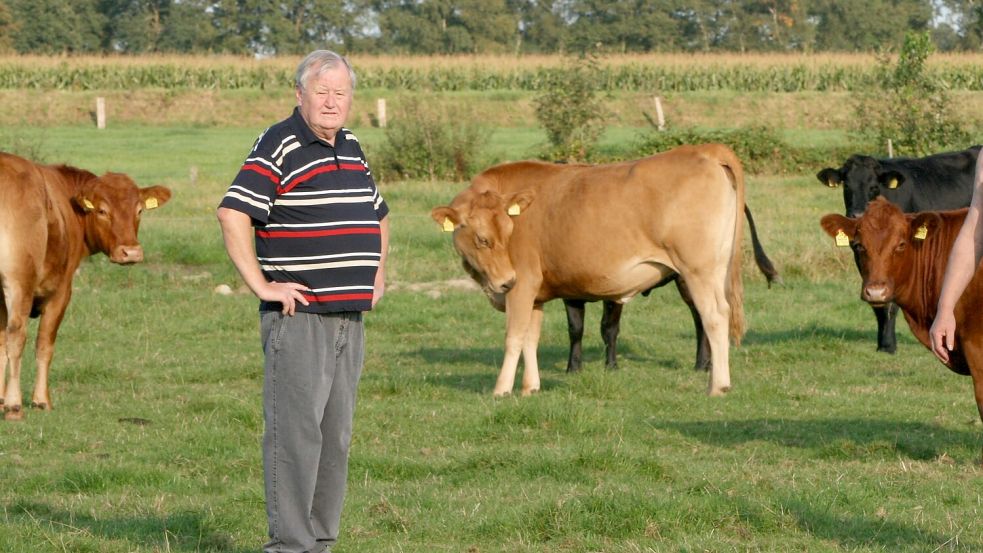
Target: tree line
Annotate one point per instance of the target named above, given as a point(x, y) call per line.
point(264, 27)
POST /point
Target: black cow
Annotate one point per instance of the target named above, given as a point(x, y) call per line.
point(611, 318)
point(935, 183)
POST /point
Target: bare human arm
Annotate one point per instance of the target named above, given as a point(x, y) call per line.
point(380, 275)
point(237, 232)
point(963, 260)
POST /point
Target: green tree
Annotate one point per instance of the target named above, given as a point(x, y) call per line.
point(867, 24)
point(910, 107)
point(54, 26)
point(620, 26)
point(446, 26)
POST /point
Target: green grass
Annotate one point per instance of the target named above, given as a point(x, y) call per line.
point(153, 446)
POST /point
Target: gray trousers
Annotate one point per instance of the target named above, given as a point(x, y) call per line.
point(313, 363)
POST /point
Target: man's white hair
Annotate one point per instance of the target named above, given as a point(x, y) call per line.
point(317, 63)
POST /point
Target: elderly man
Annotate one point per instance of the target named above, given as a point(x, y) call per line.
point(307, 230)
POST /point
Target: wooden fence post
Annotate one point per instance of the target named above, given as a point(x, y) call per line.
point(100, 112)
point(890, 148)
point(660, 118)
point(380, 108)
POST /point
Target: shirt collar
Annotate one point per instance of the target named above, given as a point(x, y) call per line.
point(307, 136)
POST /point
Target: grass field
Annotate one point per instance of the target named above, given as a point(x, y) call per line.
point(153, 446)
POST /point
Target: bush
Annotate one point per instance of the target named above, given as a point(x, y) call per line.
point(908, 106)
point(760, 149)
point(425, 141)
point(570, 110)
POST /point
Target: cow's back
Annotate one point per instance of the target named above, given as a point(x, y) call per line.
point(605, 229)
point(38, 236)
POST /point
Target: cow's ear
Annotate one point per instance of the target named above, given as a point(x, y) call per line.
point(82, 202)
point(924, 225)
point(830, 177)
point(841, 228)
point(519, 201)
point(154, 196)
point(891, 179)
point(447, 217)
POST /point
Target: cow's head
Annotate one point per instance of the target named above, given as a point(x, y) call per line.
point(482, 225)
point(111, 206)
point(884, 240)
point(864, 178)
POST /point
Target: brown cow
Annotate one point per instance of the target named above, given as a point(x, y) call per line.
point(902, 258)
point(50, 218)
point(537, 231)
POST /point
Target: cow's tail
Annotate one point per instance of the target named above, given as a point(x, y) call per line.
point(760, 257)
point(734, 289)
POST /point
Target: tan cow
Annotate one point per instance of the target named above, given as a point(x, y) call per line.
point(537, 231)
point(50, 218)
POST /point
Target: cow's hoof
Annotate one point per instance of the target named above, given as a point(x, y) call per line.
point(612, 367)
point(720, 392)
point(572, 369)
point(529, 392)
point(41, 405)
point(505, 393)
point(13, 413)
point(889, 350)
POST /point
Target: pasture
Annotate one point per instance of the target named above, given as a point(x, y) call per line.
point(153, 446)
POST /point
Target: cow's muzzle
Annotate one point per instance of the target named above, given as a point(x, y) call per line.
point(876, 294)
point(125, 255)
point(504, 287)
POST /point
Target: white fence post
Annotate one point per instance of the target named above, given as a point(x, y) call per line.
point(100, 112)
point(380, 108)
point(660, 118)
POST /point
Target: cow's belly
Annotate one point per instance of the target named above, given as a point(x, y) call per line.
point(618, 282)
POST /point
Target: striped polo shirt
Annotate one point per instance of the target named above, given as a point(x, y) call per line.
point(316, 212)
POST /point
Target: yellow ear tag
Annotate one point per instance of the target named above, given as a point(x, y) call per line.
point(842, 240)
point(150, 203)
point(448, 225)
point(514, 209)
point(922, 232)
point(893, 184)
point(89, 206)
point(831, 183)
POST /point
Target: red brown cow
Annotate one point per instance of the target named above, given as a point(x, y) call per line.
point(902, 258)
point(50, 218)
point(537, 231)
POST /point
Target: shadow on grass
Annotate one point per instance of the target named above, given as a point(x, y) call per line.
point(853, 531)
point(835, 438)
point(823, 333)
point(182, 531)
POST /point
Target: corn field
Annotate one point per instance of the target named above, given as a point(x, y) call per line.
point(665, 72)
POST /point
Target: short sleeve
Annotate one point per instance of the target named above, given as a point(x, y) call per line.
point(254, 187)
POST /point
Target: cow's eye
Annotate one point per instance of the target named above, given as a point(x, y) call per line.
point(104, 212)
point(901, 247)
point(482, 242)
point(858, 247)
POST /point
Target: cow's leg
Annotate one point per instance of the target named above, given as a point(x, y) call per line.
point(610, 327)
point(3, 351)
point(887, 316)
point(530, 363)
point(52, 314)
point(973, 352)
point(518, 315)
point(18, 306)
point(702, 343)
point(575, 328)
point(711, 302)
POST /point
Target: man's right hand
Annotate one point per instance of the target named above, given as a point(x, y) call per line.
point(286, 293)
point(943, 335)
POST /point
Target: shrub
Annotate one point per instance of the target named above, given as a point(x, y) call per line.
point(909, 106)
point(758, 148)
point(424, 141)
point(570, 110)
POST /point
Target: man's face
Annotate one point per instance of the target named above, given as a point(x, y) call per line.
point(325, 101)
